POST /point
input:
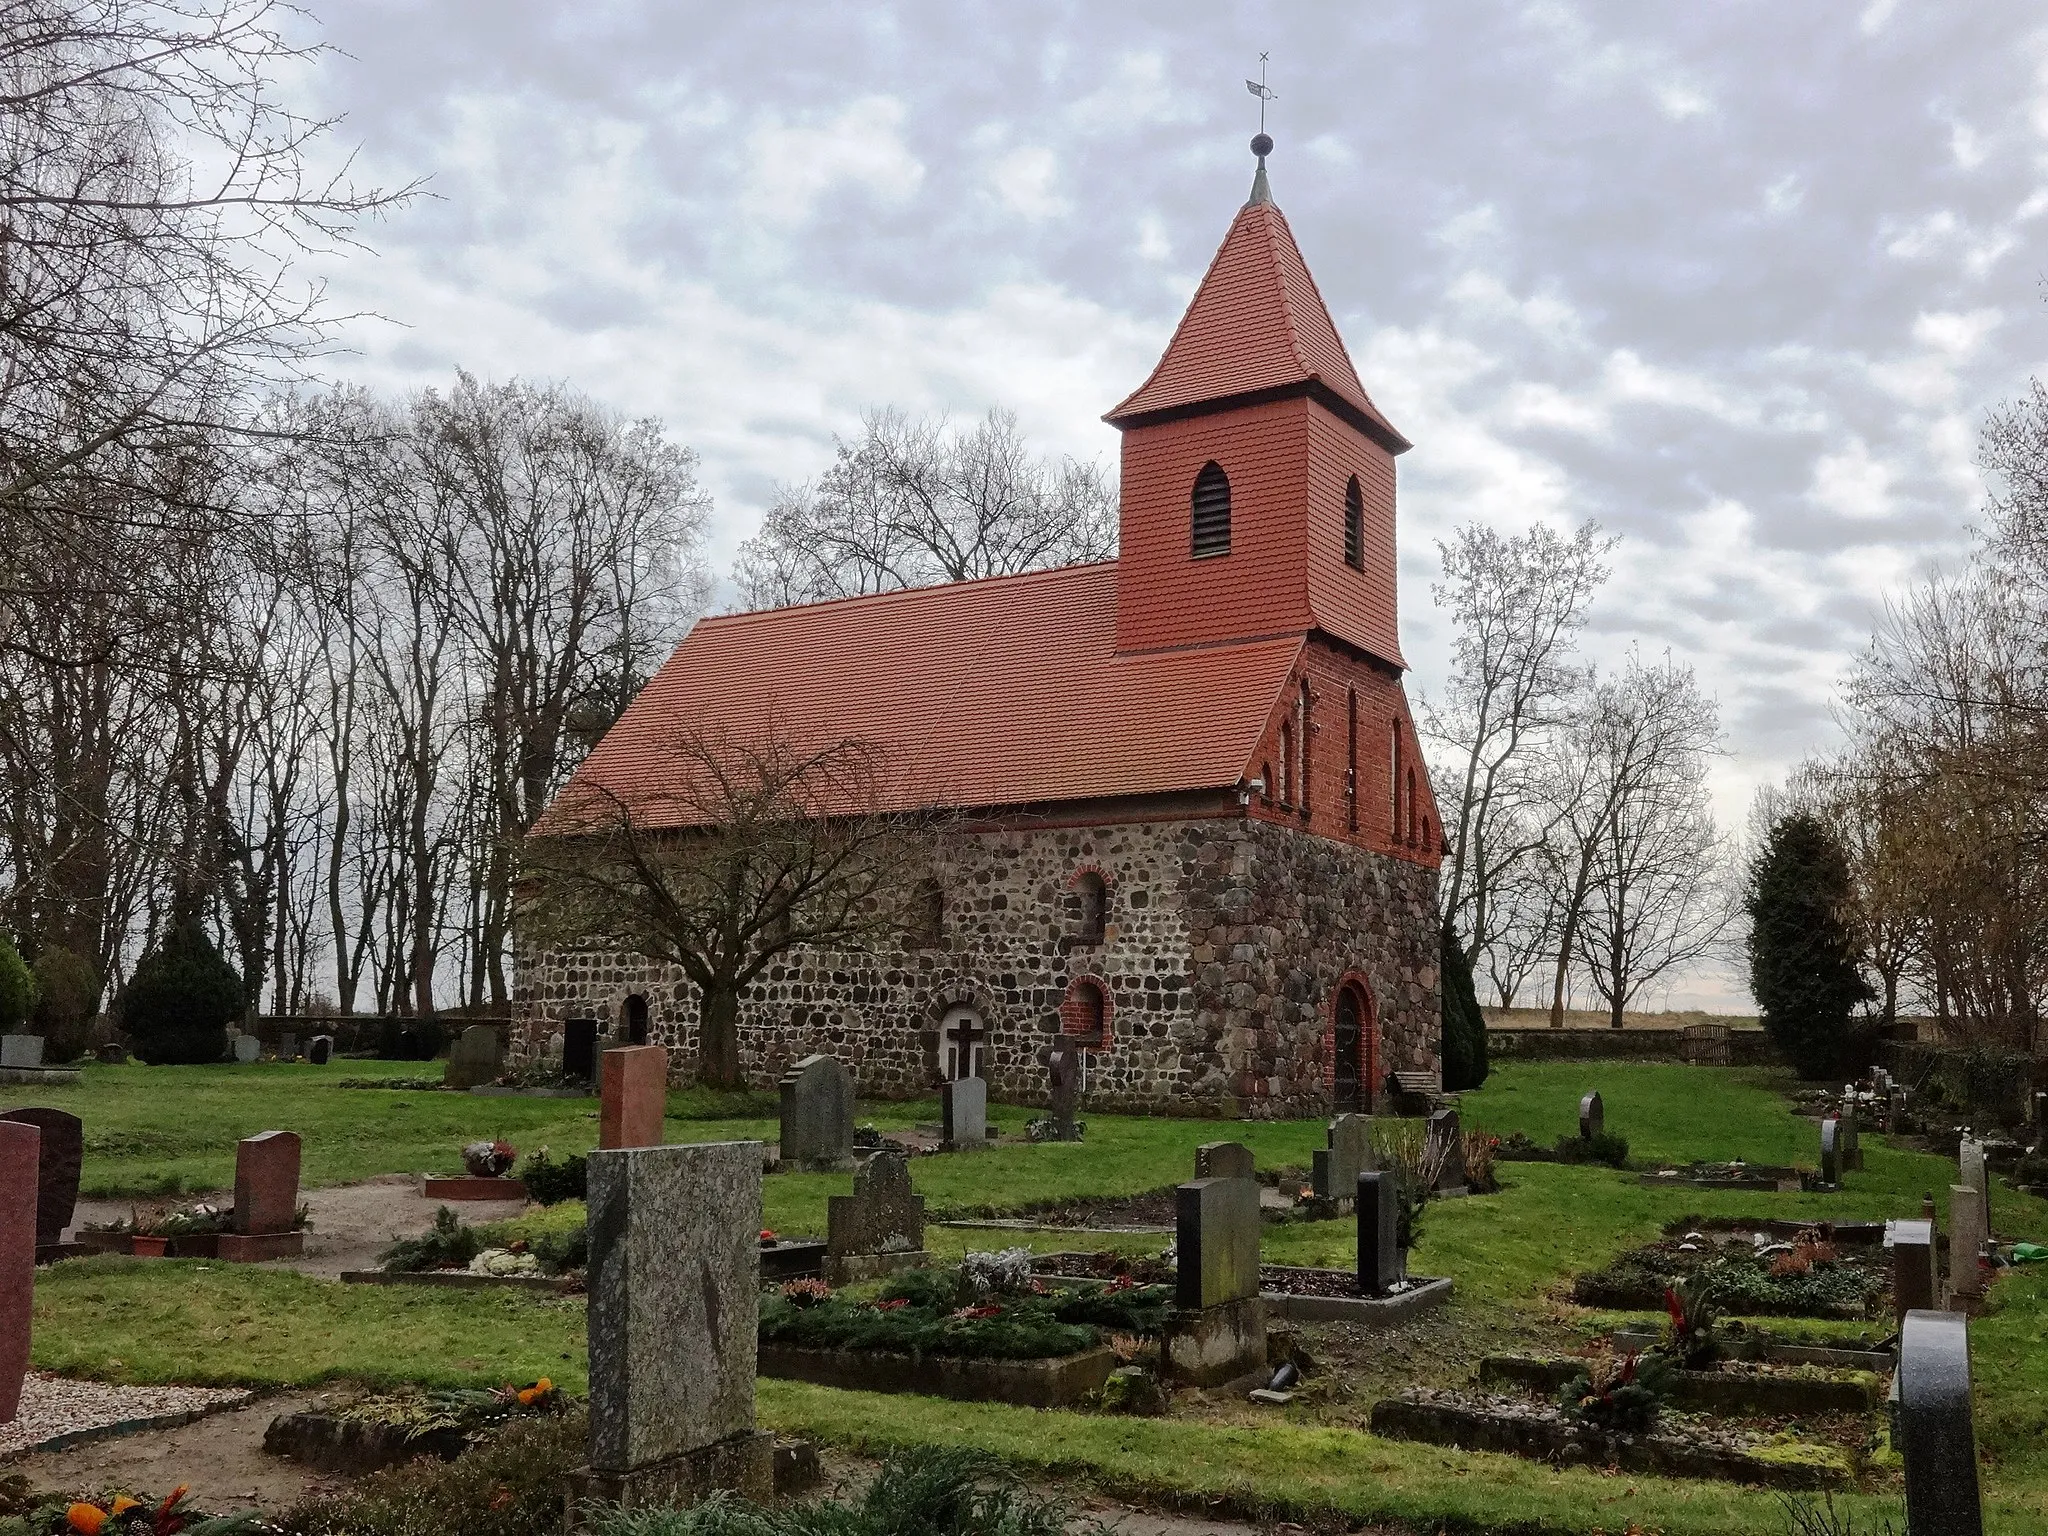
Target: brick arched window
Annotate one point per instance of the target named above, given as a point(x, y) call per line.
point(1209, 512)
point(1084, 1013)
point(1354, 525)
point(1091, 896)
point(1265, 783)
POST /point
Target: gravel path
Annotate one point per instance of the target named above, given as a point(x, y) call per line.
point(52, 1406)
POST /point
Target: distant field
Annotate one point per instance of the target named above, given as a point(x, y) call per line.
point(1587, 1018)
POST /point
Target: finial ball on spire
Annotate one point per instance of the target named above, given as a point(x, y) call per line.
point(1262, 145)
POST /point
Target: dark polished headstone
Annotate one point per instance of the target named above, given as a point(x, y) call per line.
point(1379, 1232)
point(579, 1050)
point(320, 1050)
point(1444, 1124)
point(57, 1167)
point(1936, 1435)
point(1592, 1116)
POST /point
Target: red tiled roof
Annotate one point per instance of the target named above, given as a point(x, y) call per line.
point(1001, 692)
point(1257, 322)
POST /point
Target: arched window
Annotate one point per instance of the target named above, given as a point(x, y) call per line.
point(1351, 759)
point(1286, 762)
point(1394, 789)
point(636, 1020)
point(1210, 512)
point(1354, 525)
point(1412, 839)
point(926, 920)
point(1265, 783)
point(1084, 1016)
point(1093, 899)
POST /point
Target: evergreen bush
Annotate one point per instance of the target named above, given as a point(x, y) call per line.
point(1464, 1038)
point(1802, 956)
point(17, 989)
point(181, 999)
point(67, 996)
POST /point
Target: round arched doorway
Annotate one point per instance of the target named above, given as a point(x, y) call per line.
point(1354, 1048)
point(636, 1019)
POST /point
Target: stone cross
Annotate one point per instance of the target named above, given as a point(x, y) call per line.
point(1334, 1169)
point(1443, 1123)
point(267, 1183)
point(817, 1114)
point(57, 1169)
point(1916, 1279)
point(476, 1059)
point(1966, 1238)
point(1379, 1232)
point(1592, 1117)
point(883, 1216)
point(579, 1050)
point(287, 1045)
point(24, 1051)
point(674, 1281)
point(1977, 1175)
point(1224, 1160)
point(1063, 1076)
point(963, 1112)
point(1831, 1151)
point(320, 1049)
point(20, 1145)
point(632, 1096)
point(1936, 1435)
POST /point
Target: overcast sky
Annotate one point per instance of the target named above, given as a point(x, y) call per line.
point(1739, 280)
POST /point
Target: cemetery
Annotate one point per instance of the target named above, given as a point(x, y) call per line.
point(873, 1291)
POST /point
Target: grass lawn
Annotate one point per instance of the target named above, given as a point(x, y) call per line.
point(1512, 1255)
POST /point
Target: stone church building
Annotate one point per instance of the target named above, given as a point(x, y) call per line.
point(1201, 838)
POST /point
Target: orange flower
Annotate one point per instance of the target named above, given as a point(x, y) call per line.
point(528, 1396)
point(86, 1519)
point(122, 1504)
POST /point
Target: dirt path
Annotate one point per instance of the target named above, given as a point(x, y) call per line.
point(352, 1223)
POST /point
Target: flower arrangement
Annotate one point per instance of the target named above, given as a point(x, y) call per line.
point(129, 1516)
point(1690, 1315)
point(806, 1293)
point(489, 1159)
point(1618, 1393)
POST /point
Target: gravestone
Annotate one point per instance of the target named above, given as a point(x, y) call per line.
point(1444, 1123)
point(879, 1228)
point(1378, 1213)
point(1592, 1117)
point(248, 1049)
point(2040, 1118)
point(112, 1054)
point(287, 1045)
point(673, 1277)
point(632, 1096)
point(20, 1145)
point(320, 1050)
point(579, 1050)
point(963, 1113)
point(552, 1052)
point(58, 1163)
point(1063, 1087)
point(1852, 1139)
point(1937, 1439)
point(1895, 1109)
point(1334, 1169)
point(476, 1059)
point(1831, 1151)
point(23, 1051)
point(1916, 1278)
point(266, 1200)
point(1217, 1331)
point(1977, 1175)
point(1966, 1236)
point(817, 1114)
point(1224, 1160)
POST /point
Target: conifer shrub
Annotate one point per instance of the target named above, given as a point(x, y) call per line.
point(67, 996)
point(181, 999)
point(17, 989)
point(1802, 955)
point(1464, 1026)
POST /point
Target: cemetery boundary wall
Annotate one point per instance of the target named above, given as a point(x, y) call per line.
point(1745, 1047)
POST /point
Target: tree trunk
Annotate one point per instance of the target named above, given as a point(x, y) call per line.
point(718, 1039)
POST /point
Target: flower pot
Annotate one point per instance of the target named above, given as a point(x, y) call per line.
point(148, 1247)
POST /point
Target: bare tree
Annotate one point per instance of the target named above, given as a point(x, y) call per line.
point(913, 502)
point(1517, 604)
point(755, 847)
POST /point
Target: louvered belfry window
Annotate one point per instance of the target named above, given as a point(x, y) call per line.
point(1354, 525)
point(1211, 512)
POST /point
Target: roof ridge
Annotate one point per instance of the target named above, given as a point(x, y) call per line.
point(1294, 342)
point(906, 593)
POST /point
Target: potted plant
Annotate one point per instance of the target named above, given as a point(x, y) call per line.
point(145, 1239)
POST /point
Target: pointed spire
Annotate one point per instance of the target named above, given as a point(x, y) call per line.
point(1262, 146)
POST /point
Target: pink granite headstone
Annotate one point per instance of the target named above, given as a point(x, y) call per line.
point(267, 1182)
point(632, 1096)
point(20, 1148)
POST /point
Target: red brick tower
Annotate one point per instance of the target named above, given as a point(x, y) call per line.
point(1296, 534)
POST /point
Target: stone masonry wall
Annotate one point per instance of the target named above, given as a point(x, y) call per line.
point(1224, 943)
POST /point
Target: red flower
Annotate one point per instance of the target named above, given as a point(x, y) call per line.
point(975, 1314)
point(1675, 1308)
point(891, 1306)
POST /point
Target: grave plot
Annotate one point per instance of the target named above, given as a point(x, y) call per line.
point(368, 1433)
point(481, 1257)
point(1772, 1177)
point(1751, 1269)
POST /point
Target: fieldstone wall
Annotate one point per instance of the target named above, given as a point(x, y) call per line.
point(1224, 943)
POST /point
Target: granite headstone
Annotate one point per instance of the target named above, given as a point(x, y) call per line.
point(320, 1050)
point(1916, 1279)
point(58, 1162)
point(1592, 1116)
point(1334, 1168)
point(1852, 1138)
point(22, 1051)
point(963, 1113)
point(476, 1060)
point(19, 1149)
point(1937, 1438)
point(248, 1049)
point(1444, 1125)
point(1379, 1232)
point(1224, 1160)
point(1831, 1151)
point(817, 1114)
point(1216, 1242)
point(1966, 1237)
point(287, 1045)
point(267, 1183)
point(883, 1215)
point(632, 1096)
point(1976, 1173)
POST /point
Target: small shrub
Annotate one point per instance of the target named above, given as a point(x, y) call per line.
point(17, 989)
point(1618, 1393)
point(67, 996)
point(510, 1485)
point(549, 1182)
point(1481, 1151)
point(1606, 1148)
point(447, 1245)
point(179, 1003)
point(1690, 1315)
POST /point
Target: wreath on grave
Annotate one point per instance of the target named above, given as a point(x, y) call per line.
point(489, 1159)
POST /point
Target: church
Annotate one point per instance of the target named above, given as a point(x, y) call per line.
point(1196, 832)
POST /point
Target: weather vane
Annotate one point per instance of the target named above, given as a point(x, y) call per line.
point(1260, 89)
